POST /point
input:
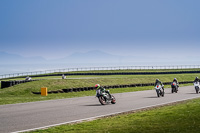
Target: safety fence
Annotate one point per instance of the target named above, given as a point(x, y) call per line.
point(107, 87)
point(98, 68)
point(6, 84)
point(119, 73)
point(110, 73)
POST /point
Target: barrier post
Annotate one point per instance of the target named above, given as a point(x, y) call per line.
point(44, 91)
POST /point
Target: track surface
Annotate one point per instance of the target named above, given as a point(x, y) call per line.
point(25, 116)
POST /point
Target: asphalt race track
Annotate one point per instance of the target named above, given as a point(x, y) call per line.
point(37, 115)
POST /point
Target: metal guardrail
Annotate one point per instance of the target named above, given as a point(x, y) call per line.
point(98, 68)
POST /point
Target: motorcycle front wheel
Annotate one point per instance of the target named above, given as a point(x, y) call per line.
point(158, 93)
point(176, 89)
point(113, 100)
point(197, 89)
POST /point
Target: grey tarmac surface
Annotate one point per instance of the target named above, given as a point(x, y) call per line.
point(36, 115)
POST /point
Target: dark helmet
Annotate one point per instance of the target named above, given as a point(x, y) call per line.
point(157, 80)
point(196, 78)
point(175, 79)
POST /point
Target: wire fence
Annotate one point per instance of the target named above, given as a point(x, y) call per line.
point(98, 68)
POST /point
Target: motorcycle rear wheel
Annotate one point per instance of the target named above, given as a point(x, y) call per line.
point(163, 93)
point(102, 100)
point(172, 90)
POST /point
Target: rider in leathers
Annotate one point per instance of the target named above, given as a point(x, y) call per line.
point(196, 79)
point(159, 82)
point(175, 80)
point(97, 86)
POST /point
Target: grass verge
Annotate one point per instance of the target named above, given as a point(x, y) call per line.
point(178, 118)
point(23, 92)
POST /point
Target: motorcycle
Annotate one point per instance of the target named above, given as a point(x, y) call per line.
point(159, 90)
point(196, 85)
point(104, 98)
point(28, 78)
point(174, 87)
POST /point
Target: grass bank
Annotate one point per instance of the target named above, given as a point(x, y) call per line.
point(179, 118)
point(23, 92)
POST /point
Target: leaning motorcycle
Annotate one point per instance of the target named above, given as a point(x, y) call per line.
point(104, 97)
point(159, 90)
point(196, 86)
point(174, 87)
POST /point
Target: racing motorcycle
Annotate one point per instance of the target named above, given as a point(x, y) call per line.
point(159, 90)
point(104, 98)
point(196, 85)
point(174, 87)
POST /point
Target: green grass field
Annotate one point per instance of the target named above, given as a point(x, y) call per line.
point(23, 92)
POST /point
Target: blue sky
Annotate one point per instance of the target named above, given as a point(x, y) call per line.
point(58, 28)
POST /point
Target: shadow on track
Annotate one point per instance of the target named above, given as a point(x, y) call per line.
point(192, 93)
point(151, 97)
point(93, 105)
point(99, 104)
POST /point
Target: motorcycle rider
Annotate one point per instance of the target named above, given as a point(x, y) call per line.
point(97, 86)
point(28, 78)
point(159, 82)
point(196, 79)
point(63, 76)
point(175, 80)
